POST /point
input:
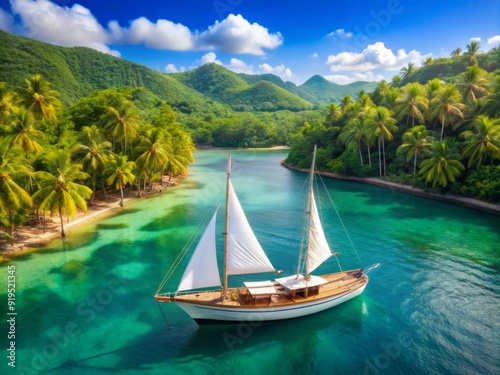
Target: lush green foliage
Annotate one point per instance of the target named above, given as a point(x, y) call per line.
point(440, 134)
point(53, 158)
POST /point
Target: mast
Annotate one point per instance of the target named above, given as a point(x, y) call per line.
point(226, 230)
point(309, 204)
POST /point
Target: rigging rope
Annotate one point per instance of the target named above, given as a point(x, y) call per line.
point(164, 318)
point(182, 253)
point(340, 219)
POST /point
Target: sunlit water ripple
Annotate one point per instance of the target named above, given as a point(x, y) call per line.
point(85, 305)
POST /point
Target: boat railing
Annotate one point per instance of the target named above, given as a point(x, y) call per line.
point(184, 293)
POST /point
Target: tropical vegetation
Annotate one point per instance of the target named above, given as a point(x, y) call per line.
point(441, 134)
point(54, 158)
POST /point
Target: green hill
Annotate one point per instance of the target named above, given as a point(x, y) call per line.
point(254, 78)
point(265, 96)
point(213, 81)
point(318, 90)
point(77, 72)
point(221, 84)
point(447, 68)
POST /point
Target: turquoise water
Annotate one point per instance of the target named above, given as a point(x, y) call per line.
point(86, 306)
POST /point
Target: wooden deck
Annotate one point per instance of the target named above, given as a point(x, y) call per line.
point(337, 284)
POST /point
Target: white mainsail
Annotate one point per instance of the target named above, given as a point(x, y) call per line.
point(202, 270)
point(318, 250)
point(244, 253)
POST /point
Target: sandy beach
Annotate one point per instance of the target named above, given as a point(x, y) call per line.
point(32, 236)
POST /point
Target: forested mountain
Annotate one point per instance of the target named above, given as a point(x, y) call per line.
point(318, 90)
point(76, 72)
point(221, 84)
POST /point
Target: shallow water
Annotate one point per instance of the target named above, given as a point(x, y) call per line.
point(85, 305)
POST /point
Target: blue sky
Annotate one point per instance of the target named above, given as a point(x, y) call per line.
point(343, 41)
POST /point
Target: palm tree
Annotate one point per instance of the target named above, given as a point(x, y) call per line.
point(12, 196)
point(493, 100)
point(379, 124)
point(60, 193)
point(390, 99)
point(380, 91)
point(471, 110)
point(122, 123)
point(7, 100)
point(120, 173)
point(153, 153)
point(396, 80)
point(456, 52)
point(415, 143)
point(366, 103)
point(334, 112)
point(352, 136)
point(482, 142)
point(345, 103)
point(39, 98)
point(434, 87)
point(23, 133)
point(472, 50)
point(446, 106)
point(182, 154)
point(92, 154)
point(407, 71)
point(412, 104)
point(442, 167)
point(473, 83)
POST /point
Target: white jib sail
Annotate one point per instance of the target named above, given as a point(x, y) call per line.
point(202, 270)
point(244, 253)
point(318, 250)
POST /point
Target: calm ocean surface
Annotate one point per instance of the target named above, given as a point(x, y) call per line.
point(86, 306)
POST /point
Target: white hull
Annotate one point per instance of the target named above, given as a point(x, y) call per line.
point(202, 313)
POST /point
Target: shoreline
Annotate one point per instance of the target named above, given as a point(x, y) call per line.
point(272, 148)
point(459, 201)
point(30, 238)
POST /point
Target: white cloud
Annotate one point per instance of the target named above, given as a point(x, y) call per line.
point(475, 39)
point(279, 70)
point(341, 33)
point(341, 79)
point(171, 68)
point(163, 34)
point(314, 55)
point(239, 66)
point(6, 21)
point(236, 35)
point(209, 57)
point(64, 26)
point(494, 40)
point(374, 56)
point(76, 26)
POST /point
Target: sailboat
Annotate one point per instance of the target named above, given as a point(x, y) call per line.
point(286, 297)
